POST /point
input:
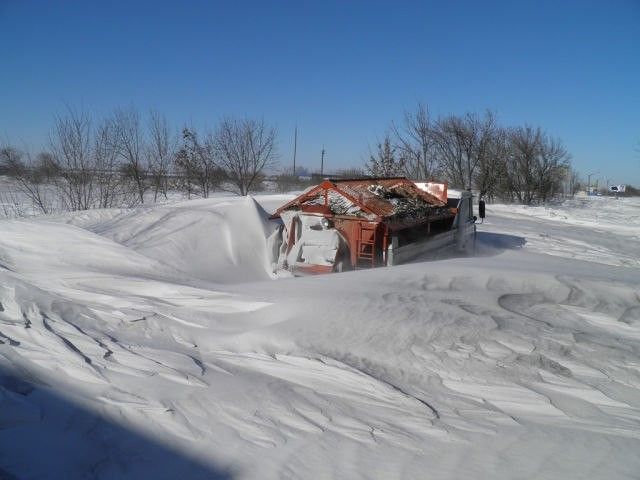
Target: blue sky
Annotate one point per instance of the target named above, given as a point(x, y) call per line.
point(339, 70)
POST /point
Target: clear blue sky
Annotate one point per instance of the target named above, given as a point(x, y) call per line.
point(340, 70)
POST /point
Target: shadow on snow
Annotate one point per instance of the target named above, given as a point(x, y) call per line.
point(44, 435)
point(487, 245)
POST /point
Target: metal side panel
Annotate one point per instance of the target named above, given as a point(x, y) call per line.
point(398, 255)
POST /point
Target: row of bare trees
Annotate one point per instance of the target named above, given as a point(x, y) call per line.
point(236, 153)
point(522, 164)
point(125, 160)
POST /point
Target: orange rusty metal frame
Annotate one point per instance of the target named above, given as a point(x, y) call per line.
point(373, 205)
point(324, 187)
point(311, 269)
point(349, 226)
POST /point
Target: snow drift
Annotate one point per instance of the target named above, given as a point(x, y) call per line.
point(129, 348)
point(218, 240)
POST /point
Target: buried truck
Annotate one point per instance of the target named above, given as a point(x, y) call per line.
point(346, 224)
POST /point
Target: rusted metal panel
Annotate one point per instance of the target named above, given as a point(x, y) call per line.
point(437, 189)
point(348, 228)
point(379, 197)
point(311, 269)
point(324, 210)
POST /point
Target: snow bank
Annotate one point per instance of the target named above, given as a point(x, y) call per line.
point(220, 240)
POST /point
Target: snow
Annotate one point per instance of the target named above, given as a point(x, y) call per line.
point(597, 229)
point(155, 343)
point(314, 244)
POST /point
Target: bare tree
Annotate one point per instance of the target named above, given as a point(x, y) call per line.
point(571, 181)
point(131, 147)
point(551, 168)
point(196, 162)
point(450, 136)
point(525, 144)
point(473, 151)
point(73, 160)
point(415, 145)
point(185, 166)
point(110, 189)
point(536, 166)
point(11, 161)
point(383, 162)
point(245, 148)
point(32, 178)
point(492, 163)
point(462, 144)
point(161, 151)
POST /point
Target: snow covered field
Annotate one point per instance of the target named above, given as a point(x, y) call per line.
point(153, 343)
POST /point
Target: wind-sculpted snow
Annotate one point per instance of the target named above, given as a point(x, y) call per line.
point(512, 364)
point(596, 229)
point(216, 240)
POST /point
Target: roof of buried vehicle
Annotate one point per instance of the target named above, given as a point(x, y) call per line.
point(388, 198)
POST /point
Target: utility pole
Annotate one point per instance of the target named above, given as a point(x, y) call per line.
point(322, 162)
point(295, 148)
